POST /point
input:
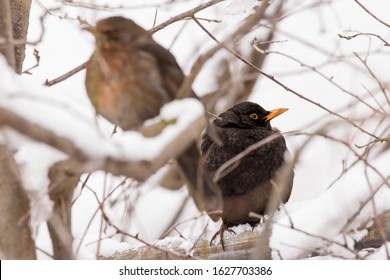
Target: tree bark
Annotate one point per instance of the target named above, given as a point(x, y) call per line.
point(15, 238)
point(6, 36)
point(14, 20)
point(20, 15)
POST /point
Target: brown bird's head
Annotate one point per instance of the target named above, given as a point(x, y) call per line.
point(117, 31)
point(248, 114)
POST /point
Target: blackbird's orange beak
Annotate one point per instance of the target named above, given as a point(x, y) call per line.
point(274, 113)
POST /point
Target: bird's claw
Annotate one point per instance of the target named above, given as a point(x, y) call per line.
point(220, 232)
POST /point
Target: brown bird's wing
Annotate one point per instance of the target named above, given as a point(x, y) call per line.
point(171, 73)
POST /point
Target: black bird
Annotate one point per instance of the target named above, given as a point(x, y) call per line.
point(246, 184)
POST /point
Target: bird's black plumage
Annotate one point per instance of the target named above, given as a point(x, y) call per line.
point(246, 187)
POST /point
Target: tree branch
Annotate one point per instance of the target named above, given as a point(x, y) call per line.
point(82, 162)
point(185, 15)
point(371, 14)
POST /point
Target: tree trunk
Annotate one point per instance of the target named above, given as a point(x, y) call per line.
point(6, 36)
point(14, 20)
point(15, 238)
point(20, 15)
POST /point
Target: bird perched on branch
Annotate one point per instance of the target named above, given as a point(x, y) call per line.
point(245, 164)
point(129, 78)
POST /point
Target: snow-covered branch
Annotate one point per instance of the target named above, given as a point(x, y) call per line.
point(129, 153)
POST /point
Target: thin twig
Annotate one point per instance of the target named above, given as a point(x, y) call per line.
point(386, 44)
point(346, 144)
point(66, 75)
point(314, 69)
point(185, 15)
point(285, 87)
point(173, 227)
point(371, 14)
point(221, 171)
point(383, 89)
point(37, 60)
point(323, 238)
point(150, 245)
point(242, 30)
point(199, 237)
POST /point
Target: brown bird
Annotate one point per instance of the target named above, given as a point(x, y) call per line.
point(247, 184)
point(129, 78)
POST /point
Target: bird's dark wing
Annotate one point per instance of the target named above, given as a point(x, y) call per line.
point(171, 73)
point(227, 119)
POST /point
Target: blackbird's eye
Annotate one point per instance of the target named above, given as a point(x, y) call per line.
point(254, 116)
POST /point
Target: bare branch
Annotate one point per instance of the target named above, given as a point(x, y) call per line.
point(139, 170)
point(242, 30)
point(185, 15)
point(385, 43)
point(329, 79)
point(285, 87)
point(371, 14)
point(66, 75)
point(374, 77)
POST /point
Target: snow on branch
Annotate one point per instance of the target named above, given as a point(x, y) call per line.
point(40, 114)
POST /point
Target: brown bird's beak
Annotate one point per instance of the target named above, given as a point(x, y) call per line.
point(89, 28)
point(274, 113)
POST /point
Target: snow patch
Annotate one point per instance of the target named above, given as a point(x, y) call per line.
point(241, 8)
point(34, 160)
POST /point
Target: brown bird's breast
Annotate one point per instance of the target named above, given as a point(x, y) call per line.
point(125, 87)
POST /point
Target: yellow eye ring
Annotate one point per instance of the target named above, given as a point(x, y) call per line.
point(254, 116)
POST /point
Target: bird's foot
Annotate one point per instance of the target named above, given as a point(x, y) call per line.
point(220, 232)
point(254, 224)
